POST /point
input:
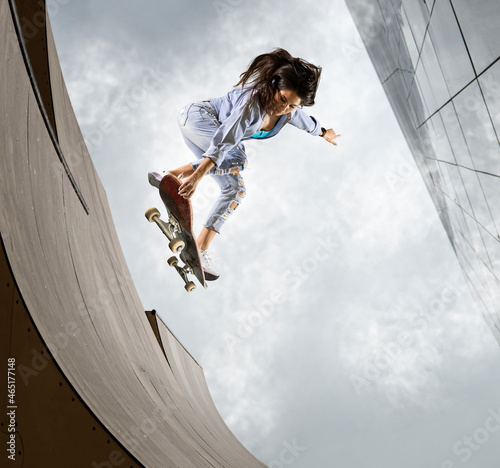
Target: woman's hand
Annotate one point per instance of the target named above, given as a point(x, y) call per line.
point(331, 136)
point(188, 187)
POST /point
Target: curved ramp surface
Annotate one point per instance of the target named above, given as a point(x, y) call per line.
point(97, 382)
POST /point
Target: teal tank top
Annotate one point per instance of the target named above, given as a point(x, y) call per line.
point(261, 134)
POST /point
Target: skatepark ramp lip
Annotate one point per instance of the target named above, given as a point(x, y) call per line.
point(97, 381)
point(36, 61)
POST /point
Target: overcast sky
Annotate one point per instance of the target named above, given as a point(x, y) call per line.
point(341, 332)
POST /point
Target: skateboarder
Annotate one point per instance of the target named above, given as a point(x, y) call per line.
point(270, 94)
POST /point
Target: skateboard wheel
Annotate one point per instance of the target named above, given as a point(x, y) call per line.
point(190, 286)
point(176, 245)
point(172, 261)
point(151, 214)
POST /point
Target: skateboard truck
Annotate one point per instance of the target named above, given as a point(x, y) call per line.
point(183, 272)
point(176, 245)
point(169, 229)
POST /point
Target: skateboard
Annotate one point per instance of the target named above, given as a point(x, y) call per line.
point(179, 231)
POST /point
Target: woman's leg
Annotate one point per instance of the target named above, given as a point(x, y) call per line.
point(232, 193)
point(198, 124)
point(205, 238)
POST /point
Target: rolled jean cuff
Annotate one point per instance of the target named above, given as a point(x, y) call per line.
point(212, 227)
point(228, 169)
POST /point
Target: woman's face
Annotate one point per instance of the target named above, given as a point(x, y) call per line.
point(285, 101)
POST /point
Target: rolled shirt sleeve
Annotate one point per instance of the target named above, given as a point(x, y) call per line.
point(305, 122)
point(239, 124)
point(240, 121)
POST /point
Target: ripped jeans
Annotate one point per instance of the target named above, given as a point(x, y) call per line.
point(198, 123)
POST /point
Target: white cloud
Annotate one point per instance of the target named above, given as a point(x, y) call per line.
point(304, 319)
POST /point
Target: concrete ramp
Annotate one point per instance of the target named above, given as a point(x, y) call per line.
point(92, 380)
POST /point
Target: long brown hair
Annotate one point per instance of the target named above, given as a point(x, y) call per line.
point(278, 70)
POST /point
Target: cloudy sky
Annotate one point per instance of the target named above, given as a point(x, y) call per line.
point(341, 332)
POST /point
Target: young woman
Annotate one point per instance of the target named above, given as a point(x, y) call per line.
point(270, 94)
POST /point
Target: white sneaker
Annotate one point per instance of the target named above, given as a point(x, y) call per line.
point(206, 265)
point(155, 179)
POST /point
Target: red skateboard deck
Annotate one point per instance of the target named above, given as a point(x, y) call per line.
point(181, 211)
